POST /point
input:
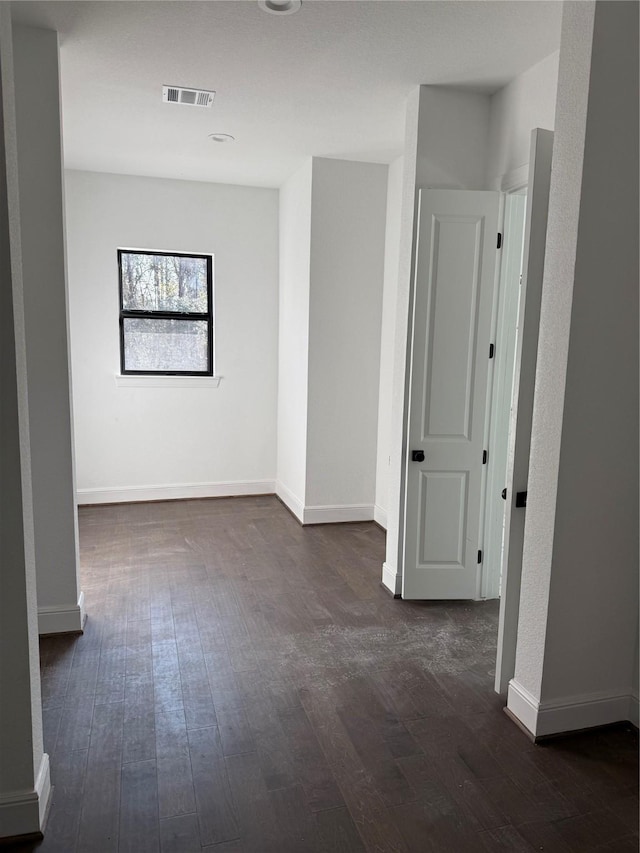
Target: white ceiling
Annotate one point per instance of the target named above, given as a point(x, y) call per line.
point(330, 80)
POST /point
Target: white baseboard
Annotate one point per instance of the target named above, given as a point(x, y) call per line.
point(391, 579)
point(291, 501)
point(523, 705)
point(179, 491)
point(24, 812)
point(380, 516)
point(62, 619)
point(322, 514)
point(43, 789)
point(337, 513)
point(570, 714)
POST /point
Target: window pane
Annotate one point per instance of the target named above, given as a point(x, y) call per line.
point(163, 283)
point(161, 345)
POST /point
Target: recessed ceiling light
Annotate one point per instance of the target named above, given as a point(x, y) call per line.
point(221, 137)
point(280, 7)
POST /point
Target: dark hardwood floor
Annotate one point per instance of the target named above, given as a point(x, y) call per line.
point(244, 685)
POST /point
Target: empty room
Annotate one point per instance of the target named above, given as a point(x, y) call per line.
point(320, 447)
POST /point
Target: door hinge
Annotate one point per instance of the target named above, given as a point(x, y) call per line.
point(485, 456)
point(499, 240)
point(479, 556)
point(492, 350)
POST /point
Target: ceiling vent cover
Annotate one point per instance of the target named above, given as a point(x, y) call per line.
point(191, 97)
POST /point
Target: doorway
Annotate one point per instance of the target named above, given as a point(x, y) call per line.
point(464, 404)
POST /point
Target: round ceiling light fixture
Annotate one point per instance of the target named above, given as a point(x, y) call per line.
point(280, 7)
point(221, 137)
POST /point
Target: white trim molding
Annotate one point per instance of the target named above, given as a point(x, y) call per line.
point(43, 789)
point(291, 501)
point(25, 812)
point(62, 618)
point(337, 513)
point(327, 514)
point(392, 580)
point(523, 705)
point(514, 180)
point(136, 381)
point(569, 714)
point(179, 491)
point(380, 516)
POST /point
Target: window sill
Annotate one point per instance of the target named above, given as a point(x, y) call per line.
point(167, 381)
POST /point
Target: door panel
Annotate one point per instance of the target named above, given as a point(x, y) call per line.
point(443, 492)
point(454, 284)
point(457, 244)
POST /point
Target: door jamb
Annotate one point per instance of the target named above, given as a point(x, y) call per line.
point(492, 569)
point(541, 148)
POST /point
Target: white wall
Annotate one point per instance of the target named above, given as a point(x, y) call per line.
point(579, 600)
point(293, 354)
point(555, 321)
point(453, 135)
point(388, 321)
point(348, 207)
point(392, 567)
point(527, 102)
point(24, 768)
point(43, 245)
point(445, 146)
point(196, 441)
point(592, 645)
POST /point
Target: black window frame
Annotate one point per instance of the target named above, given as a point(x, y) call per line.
point(126, 313)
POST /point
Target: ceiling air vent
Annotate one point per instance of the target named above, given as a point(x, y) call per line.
point(191, 97)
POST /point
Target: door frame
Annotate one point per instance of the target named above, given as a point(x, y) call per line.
point(500, 390)
point(509, 604)
point(539, 179)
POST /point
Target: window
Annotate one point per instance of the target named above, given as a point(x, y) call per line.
point(166, 313)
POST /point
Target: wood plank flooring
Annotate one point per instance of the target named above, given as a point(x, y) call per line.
point(244, 685)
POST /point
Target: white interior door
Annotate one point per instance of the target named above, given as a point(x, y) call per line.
point(522, 404)
point(455, 269)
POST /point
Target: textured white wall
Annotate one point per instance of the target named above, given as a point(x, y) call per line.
point(134, 437)
point(348, 205)
point(293, 357)
point(44, 277)
point(553, 346)
point(591, 631)
point(389, 300)
point(21, 741)
point(527, 102)
point(578, 626)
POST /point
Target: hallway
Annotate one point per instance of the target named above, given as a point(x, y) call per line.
point(245, 685)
